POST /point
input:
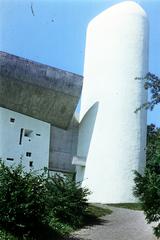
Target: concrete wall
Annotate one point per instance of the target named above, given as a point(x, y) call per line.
point(63, 146)
point(116, 53)
point(38, 90)
point(23, 139)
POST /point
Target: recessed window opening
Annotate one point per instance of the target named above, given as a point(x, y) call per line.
point(31, 163)
point(20, 137)
point(10, 159)
point(28, 154)
point(28, 133)
point(38, 134)
point(12, 120)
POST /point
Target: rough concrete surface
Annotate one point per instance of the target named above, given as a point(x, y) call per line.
point(38, 90)
point(63, 146)
point(122, 224)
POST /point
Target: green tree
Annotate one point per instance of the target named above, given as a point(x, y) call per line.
point(147, 186)
point(153, 147)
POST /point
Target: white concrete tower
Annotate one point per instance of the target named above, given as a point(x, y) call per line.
point(112, 136)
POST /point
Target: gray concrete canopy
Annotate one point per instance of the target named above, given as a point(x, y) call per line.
point(37, 90)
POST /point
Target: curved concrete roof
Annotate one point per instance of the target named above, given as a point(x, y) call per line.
point(37, 90)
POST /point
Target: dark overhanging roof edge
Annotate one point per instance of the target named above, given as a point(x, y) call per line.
point(38, 63)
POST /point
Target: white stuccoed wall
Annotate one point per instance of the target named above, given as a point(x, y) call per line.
point(10, 146)
point(116, 53)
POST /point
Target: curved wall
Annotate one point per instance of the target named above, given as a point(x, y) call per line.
point(116, 53)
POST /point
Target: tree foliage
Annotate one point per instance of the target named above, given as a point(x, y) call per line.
point(147, 187)
point(153, 148)
point(151, 83)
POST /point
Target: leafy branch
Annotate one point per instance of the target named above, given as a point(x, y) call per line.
point(152, 82)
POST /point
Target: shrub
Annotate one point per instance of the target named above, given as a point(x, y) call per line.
point(67, 200)
point(36, 206)
point(22, 199)
point(6, 236)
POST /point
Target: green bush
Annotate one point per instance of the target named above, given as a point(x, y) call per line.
point(36, 206)
point(22, 198)
point(6, 236)
point(67, 200)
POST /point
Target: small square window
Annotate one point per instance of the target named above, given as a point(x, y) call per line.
point(12, 120)
point(28, 154)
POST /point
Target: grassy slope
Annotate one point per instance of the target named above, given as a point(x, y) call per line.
point(132, 206)
point(97, 211)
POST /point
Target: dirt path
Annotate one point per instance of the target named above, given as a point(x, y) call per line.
point(122, 224)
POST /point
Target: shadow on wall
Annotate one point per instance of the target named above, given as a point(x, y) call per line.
point(86, 129)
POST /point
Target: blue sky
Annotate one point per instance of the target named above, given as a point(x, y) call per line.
point(53, 32)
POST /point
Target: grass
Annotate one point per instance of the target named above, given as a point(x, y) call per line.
point(97, 211)
point(132, 206)
point(93, 214)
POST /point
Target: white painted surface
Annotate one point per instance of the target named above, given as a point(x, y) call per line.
point(116, 53)
point(37, 145)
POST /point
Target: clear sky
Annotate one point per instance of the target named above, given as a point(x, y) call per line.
point(53, 32)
